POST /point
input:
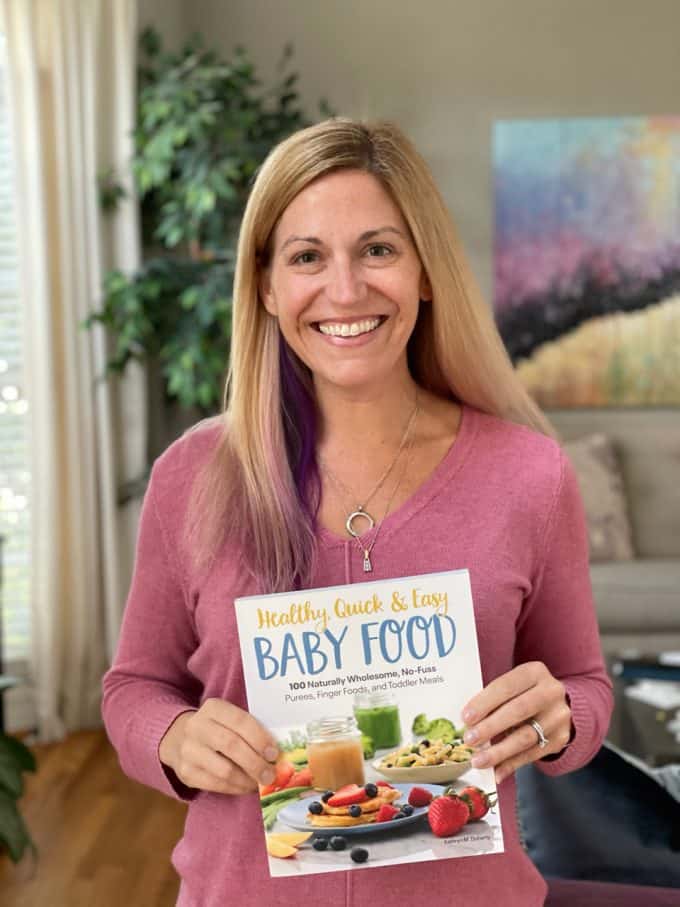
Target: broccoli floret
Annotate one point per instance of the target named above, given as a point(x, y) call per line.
point(368, 745)
point(437, 729)
point(420, 725)
point(442, 729)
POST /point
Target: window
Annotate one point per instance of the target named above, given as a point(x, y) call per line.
point(15, 479)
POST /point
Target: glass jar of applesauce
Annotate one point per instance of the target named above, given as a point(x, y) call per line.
point(377, 715)
point(335, 753)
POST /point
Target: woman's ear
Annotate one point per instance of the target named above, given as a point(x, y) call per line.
point(425, 287)
point(264, 286)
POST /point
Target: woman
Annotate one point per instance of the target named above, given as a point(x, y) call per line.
point(366, 375)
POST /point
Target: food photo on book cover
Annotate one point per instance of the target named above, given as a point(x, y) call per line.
point(363, 686)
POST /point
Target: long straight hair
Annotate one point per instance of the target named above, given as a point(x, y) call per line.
point(260, 489)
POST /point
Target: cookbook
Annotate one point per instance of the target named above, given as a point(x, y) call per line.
point(363, 687)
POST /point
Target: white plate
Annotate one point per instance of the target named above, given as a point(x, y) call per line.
point(295, 816)
point(428, 774)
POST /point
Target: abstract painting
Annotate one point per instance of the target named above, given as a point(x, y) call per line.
point(587, 258)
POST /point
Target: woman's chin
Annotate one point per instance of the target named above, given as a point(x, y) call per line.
point(361, 380)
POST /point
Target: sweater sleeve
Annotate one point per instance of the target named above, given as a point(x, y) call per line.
point(149, 684)
point(558, 626)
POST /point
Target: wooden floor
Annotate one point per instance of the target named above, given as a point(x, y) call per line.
point(103, 840)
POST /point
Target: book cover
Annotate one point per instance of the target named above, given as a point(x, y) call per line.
point(363, 686)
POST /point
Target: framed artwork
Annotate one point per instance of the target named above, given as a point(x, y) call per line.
point(587, 258)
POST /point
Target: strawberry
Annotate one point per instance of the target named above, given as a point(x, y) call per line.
point(384, 784)
point(284, 772)
point(447, 815)
point(345, 796)
point(478, 801)
point(386, 813)
point(419, 797)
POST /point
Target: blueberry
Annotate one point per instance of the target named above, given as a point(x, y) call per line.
point(407, 809)
point(320, 843)
point(359, 854)
point(337, 842)
point(425, 743)
point(371, 790)
point(355, 811)
point(315, 808)
point(327, 795)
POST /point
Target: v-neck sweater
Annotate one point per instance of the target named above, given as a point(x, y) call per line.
point(503, 503)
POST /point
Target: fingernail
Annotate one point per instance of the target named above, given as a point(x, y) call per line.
point(480, 761)
point(469, 715)
point(267, 776)
point(271, 754)
point(471, 736)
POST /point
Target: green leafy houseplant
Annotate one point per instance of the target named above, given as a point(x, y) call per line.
point(15, 759)
point(204, 125)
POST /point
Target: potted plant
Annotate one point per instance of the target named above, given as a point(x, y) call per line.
point(15, 759)
point(204, 125)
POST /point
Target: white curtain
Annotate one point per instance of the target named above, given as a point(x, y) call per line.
point(71, 93)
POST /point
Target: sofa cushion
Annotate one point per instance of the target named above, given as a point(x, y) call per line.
point(647, 442)
point(604, 497)
point(609, 821)
point(639, 595)
point(570, 893)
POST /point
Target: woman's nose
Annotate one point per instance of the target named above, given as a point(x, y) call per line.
point(345, 283)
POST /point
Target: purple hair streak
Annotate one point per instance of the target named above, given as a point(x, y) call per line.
point(299, 415)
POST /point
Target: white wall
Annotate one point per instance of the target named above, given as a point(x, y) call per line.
point(445, 70)
point(167, 17)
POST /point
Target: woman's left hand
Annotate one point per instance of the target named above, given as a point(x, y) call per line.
point(504, 708)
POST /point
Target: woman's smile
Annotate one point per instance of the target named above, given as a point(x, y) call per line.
point(350, 331)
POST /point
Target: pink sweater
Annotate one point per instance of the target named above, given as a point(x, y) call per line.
point(504, 503)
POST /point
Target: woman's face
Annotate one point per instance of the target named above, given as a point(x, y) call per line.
point(344, 281)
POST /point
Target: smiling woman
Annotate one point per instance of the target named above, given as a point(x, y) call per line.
point(344, 227)
point(373, 423)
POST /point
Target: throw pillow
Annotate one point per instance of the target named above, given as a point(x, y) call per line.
point(602, 488)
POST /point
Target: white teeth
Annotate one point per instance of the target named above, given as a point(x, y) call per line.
point(350, 330)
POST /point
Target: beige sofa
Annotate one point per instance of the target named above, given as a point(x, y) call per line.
point(638, 601)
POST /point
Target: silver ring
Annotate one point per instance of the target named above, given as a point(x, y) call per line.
point(542, 739)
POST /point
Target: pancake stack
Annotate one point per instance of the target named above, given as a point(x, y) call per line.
point(340, 817)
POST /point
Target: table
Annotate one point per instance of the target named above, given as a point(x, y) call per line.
point(648, 729)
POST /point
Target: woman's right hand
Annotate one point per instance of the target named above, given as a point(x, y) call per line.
point(219, 748)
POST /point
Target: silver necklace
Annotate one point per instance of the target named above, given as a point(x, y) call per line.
point(360, 511)
point(367, 549)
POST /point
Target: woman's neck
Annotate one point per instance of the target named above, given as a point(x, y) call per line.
point(372, 420)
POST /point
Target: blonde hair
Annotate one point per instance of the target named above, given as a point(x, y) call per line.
point(260, 489)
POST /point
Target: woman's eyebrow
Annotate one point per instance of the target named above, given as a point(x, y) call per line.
point(315, 241)
point(369, 234)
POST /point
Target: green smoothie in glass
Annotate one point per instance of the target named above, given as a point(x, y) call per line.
point(377, 715)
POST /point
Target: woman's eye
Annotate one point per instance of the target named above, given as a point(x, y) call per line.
point(379, 250)
point(304, 258)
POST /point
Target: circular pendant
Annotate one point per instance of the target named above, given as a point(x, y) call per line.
point(354, 516)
